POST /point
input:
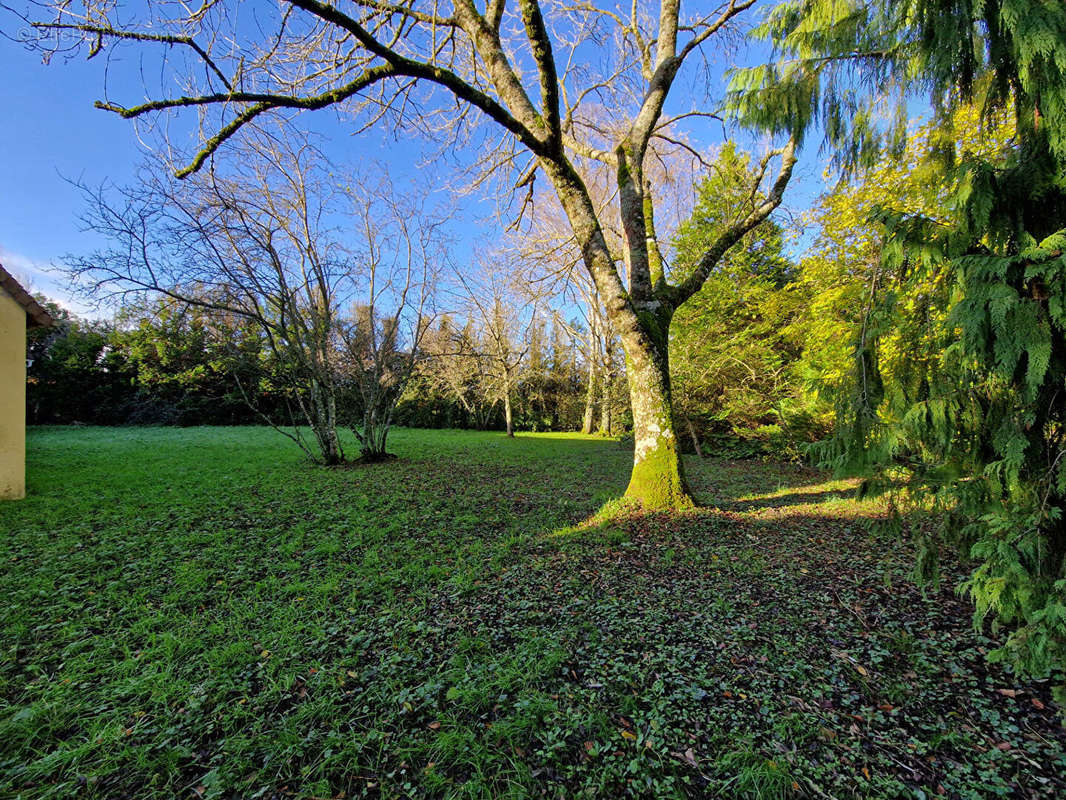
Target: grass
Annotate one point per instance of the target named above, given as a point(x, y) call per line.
point(200, 613)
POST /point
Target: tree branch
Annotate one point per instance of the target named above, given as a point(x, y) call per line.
point(114, 33)
point(735, 232)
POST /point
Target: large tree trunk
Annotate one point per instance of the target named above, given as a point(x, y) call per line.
point(658, 478)
point(590, 408)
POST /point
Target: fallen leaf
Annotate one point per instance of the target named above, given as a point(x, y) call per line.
point(1037, 704)
point(434, 726)
point(628, 735)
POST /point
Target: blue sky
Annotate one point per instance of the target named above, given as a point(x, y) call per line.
point(51, 134)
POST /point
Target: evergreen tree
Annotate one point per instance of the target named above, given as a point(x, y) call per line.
point(734, 346)
point(977, 430)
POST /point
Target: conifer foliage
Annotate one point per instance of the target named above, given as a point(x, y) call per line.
point(972, 420)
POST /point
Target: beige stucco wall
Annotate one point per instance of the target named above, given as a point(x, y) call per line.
point(12, 398)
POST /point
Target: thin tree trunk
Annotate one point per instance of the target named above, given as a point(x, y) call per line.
point(692, 434)
point(331, 428)
point(606, 390)
point(324, 423)
point(507, 412)
point(590, 395)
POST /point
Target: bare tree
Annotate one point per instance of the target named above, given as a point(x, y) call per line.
point(260, 238)
point(454, 366)
point(401, 248)
point(503, 316)
point(550, 264)
point(530, 68)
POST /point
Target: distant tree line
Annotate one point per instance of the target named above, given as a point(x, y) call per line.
point(166, 363)
point(744, 366)
point(472, 376)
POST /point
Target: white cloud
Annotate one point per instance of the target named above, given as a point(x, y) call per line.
point(39, 276)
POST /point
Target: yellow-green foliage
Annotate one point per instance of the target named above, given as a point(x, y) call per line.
point(842, 273)
point(953, 302)
point(958, 324)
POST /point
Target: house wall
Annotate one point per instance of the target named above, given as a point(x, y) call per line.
point(12, 398)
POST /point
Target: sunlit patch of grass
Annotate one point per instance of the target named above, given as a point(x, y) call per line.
point(805, 490)
point(835, 508)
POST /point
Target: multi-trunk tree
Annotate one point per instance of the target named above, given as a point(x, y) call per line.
point(331, 275)
point(535, 72)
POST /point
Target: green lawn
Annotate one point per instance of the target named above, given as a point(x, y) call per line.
point(200, 612)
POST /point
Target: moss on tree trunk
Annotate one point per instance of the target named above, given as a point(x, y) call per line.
point(658, 478)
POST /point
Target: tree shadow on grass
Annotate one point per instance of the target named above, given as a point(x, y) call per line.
point(808, 636)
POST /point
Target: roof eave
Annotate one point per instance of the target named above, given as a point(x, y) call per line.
point(37, 316)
